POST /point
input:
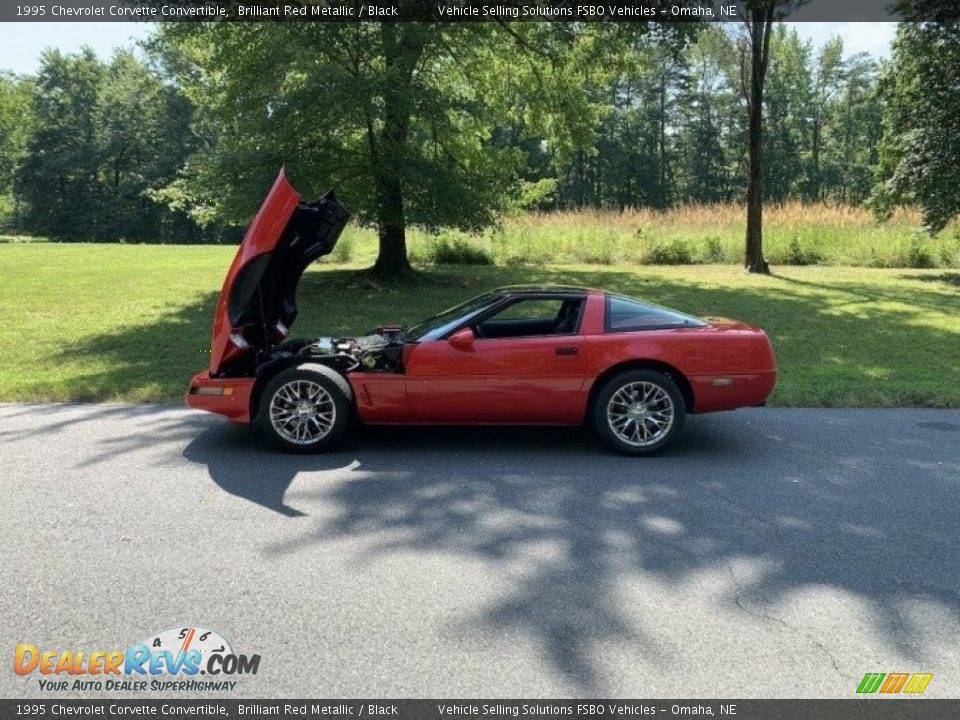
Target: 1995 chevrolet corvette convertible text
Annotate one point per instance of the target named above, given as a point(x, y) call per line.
point(515, 355)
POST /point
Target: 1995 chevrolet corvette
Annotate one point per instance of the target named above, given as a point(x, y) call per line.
point(515, 355)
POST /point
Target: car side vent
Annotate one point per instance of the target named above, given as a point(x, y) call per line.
point(368, 398)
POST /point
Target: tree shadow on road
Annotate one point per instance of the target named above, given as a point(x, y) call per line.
point(778, 513)
point(239, 461)
point(780, 508)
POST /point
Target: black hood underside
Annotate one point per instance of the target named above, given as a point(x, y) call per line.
point(263, 297)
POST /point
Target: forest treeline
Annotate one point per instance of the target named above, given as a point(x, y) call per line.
point(175, 144)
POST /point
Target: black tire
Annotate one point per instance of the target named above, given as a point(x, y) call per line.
point(662, 416)
point(316, 401)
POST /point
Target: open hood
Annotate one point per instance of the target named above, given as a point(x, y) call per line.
point(257, 302)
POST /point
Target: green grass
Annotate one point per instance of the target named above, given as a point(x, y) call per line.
point(132, 322)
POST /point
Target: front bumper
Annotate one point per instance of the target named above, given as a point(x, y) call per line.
point(229, 397)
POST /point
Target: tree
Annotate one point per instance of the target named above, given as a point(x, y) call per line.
point(710, 131)
point(58, 178)
point(928, 10)
point(828, 73)
point(787, 114)
point(401, 116)
point(140, 146)
point(102, 138)
point(920, 151)
point(754, 61)
point(820, 121)
point(857, 130)
point(673, 129)
point(632, 161)
point(16, 119)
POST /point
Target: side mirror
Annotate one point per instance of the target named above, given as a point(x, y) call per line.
point(462, 339)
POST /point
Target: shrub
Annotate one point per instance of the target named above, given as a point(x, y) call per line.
point(458, 251)
point(604, 255)
point(675, 252)
point(515, 261)
point(713, 251)
point(950, 254)
point(596, 248)
point(536, 195)
point(527, 255)
point(918, 254)
point(343, 250)
point(874, 260)
point(796, 255)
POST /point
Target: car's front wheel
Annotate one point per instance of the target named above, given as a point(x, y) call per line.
point(304, 410)
point(638, 412)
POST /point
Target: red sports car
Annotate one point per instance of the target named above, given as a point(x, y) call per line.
point(515, 355)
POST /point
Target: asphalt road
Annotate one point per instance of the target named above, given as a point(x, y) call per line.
point(771, 552)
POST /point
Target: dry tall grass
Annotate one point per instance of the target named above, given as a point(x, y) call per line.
point(714, 215)
point(794, 233)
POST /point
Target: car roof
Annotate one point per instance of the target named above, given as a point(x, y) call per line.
point(543, 289)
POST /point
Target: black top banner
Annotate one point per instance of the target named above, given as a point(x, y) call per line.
point(873, 709)
point(452, 11)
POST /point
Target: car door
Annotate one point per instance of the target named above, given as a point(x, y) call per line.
point(528, 373)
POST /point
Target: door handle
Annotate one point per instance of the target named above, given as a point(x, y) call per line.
point(566, 351)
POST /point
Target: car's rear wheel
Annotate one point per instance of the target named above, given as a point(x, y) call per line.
point(302, 410)
point(638, 412)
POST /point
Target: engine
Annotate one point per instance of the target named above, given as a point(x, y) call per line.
point(375, 352)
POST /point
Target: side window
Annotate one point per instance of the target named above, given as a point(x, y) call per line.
point(536, 316)
point(626, 314)
point(535, 309)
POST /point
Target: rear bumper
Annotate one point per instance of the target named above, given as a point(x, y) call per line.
point(729, 391)
point(229, 397)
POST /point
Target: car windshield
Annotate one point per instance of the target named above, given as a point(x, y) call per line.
point(450, 316)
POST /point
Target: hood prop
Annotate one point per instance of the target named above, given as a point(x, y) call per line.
point(263, 320)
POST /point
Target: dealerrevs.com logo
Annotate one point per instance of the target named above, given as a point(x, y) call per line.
point(189, 659)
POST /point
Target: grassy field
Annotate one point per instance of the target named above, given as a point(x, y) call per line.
point(132, 322)
point(794, 234)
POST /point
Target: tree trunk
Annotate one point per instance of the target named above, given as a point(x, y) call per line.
point(402, 48)
point(598, 178)
point(392, 259)
point(759, 26)
point(815, 153)
point(581, 174)
point(15, 191)
point(662, 140)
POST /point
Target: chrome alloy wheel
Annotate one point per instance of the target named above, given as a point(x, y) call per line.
point(640, 413)
point(302, 412)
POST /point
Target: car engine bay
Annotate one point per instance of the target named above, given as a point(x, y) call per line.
point(381, 350)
